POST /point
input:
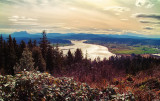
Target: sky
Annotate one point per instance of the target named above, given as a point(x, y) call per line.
point(81, 16)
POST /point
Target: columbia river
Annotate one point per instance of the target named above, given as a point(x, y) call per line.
point(93, 51)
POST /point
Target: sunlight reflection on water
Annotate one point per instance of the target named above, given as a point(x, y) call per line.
point(93, 51)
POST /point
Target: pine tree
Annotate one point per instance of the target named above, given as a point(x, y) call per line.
point(70, 58)
point(78, 55)
point(30, 45)
point(44, 43)
point(5, 50)
point(1, 50)
point(21, 48)
point(34, 43)
point(22, 45)
point(38, 59)
point(16, 48)
point(10, 56)
point(59, 59)
point(2, 57)
point(50, 59)
point(1, 41)
point(26, 62)
point(15, 43)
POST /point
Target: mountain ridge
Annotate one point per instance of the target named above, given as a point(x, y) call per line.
point(70, 35)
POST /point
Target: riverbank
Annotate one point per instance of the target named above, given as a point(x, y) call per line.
point(122, 49)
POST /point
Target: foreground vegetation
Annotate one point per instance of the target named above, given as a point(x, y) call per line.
point(120, 77)
point(36, 86)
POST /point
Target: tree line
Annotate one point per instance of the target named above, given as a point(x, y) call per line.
point(33, 56)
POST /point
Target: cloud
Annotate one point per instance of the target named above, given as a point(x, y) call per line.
point(148, 22)
point(23, 20)
point(153, 16)
point(117, 9)
point(145, 22)
point(8, 1)
point(140, 3)
point(26, 23)
point(149, 28)
point(124, 19)
point(145, 3)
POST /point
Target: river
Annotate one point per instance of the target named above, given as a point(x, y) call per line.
point(93, 51)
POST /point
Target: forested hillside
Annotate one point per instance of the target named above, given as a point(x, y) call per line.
point(119, 77)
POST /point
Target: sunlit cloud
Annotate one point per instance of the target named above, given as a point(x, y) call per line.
point(23, 20)
point(117, 8)
point(145, 3)
point(124, 19)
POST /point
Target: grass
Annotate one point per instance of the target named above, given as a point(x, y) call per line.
point(136, 49)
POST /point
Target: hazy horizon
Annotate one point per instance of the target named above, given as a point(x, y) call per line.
point(127, 33)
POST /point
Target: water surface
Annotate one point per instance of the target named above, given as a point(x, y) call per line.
point(93, 51)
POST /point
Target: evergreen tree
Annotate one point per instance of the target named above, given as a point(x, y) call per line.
point(22, 45)
point(15, 43)
point(44, 43)
point(59, 59)
point(30, 45)
point(26, 62)
point(78, 55)
point(1, 41)
point(2, 55)
point(16, 48)
point(21, 48)
point(38, 59)
point(70, 58)
point(5, 50)
point(1, 50)
point(11, 56)
point(34, 43)
point(50, 59)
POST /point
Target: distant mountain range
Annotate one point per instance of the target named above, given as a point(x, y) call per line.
point(25, 36)
point(75, 35)
point(71, 35)
point(64, 38)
